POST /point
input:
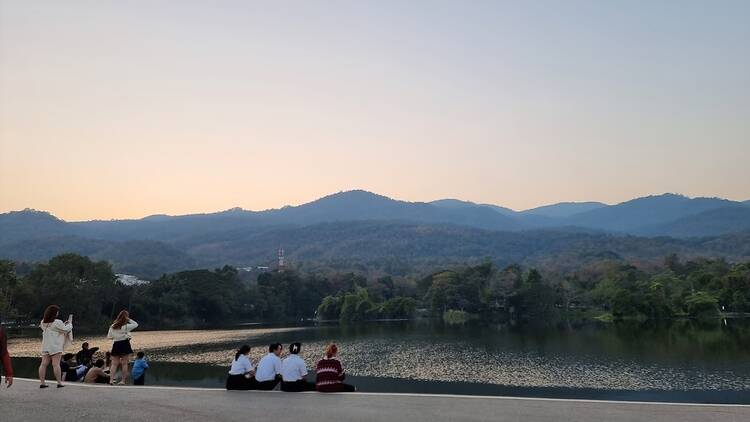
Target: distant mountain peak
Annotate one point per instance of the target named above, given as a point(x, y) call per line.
point(453, 203)
point(646, 212)
point(677, 196)
point(669, 195)
point(457, 204)
point(157, 217)
point(31, 212)
point(564, 209)
point(350, 196)
point(644, 215)
point(356, 193)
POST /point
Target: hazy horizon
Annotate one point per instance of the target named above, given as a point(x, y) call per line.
point(113, 110)
point(345, 191)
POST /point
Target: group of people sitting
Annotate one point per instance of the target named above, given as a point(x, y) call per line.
point(86, 369)
point(291, 372)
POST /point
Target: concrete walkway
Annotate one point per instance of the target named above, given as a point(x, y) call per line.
point(77, 402)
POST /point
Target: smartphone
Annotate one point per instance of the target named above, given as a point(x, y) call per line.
point(70, 317)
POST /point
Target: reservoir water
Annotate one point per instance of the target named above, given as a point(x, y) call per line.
point(695, 361)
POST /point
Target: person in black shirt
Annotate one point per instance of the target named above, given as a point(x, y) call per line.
point(70, 371)
point(86, 354)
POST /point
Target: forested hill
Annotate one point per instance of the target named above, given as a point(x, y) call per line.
point(384, 247)
point(667, 214)
point(359, 229)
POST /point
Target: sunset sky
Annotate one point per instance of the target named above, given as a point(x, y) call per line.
point(112, 109)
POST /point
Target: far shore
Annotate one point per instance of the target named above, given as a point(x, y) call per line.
point(149, 340)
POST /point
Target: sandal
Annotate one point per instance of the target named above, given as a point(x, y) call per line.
point(44, 386)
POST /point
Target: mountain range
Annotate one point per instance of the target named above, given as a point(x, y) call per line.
point(366, 226)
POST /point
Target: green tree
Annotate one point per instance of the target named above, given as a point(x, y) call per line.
point(702, 304)
point(75, 283)
point(330, 308)
point(356, 306)
point(8, 287)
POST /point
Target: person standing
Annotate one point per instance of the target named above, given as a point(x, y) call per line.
point(119, 332)
point(294, 371)
point(268, 373)
point(54, 337)
point(5, 357)
point(330, 373)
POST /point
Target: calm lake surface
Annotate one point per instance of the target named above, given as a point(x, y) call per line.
point(675, 361)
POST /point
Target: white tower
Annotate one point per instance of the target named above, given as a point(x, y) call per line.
point(281, 259)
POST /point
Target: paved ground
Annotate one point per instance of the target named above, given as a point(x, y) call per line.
point(26, 402)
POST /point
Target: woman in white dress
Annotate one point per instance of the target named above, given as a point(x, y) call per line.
point(55, 335)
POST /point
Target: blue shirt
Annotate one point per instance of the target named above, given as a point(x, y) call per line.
point(139, 367)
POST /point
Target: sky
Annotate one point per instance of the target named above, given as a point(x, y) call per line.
point(112, 109)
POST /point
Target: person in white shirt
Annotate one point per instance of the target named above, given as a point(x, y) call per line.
point(268, 372)
point(55, 336)
point(119, 332)
point(294, 371)
point(242, 373)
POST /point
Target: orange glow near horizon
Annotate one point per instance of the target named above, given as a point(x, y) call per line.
point(113, 110)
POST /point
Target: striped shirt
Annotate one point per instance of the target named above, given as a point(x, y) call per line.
point(329, 373)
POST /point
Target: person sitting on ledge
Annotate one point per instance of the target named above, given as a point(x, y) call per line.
point(139, 369)
point(86, 354)
point(330, 374)
point(71, 372)
point(242, 373)
point(268, 372)
point(293, 371)
point(96, 374)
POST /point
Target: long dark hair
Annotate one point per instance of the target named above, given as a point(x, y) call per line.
point(245, 349)
point(122, 319)
point(50, 313)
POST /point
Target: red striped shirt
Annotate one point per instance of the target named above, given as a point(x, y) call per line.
point(328, 374)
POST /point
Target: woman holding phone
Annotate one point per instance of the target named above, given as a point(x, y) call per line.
point(119, 332)
point(54, 337)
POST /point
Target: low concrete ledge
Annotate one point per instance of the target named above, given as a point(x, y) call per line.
point(76, 402)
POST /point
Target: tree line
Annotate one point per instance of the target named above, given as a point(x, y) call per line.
point(606, 289)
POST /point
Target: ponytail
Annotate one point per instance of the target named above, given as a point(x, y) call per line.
point(245, 349)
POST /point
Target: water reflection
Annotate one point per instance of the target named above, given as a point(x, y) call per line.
point(699, 356)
